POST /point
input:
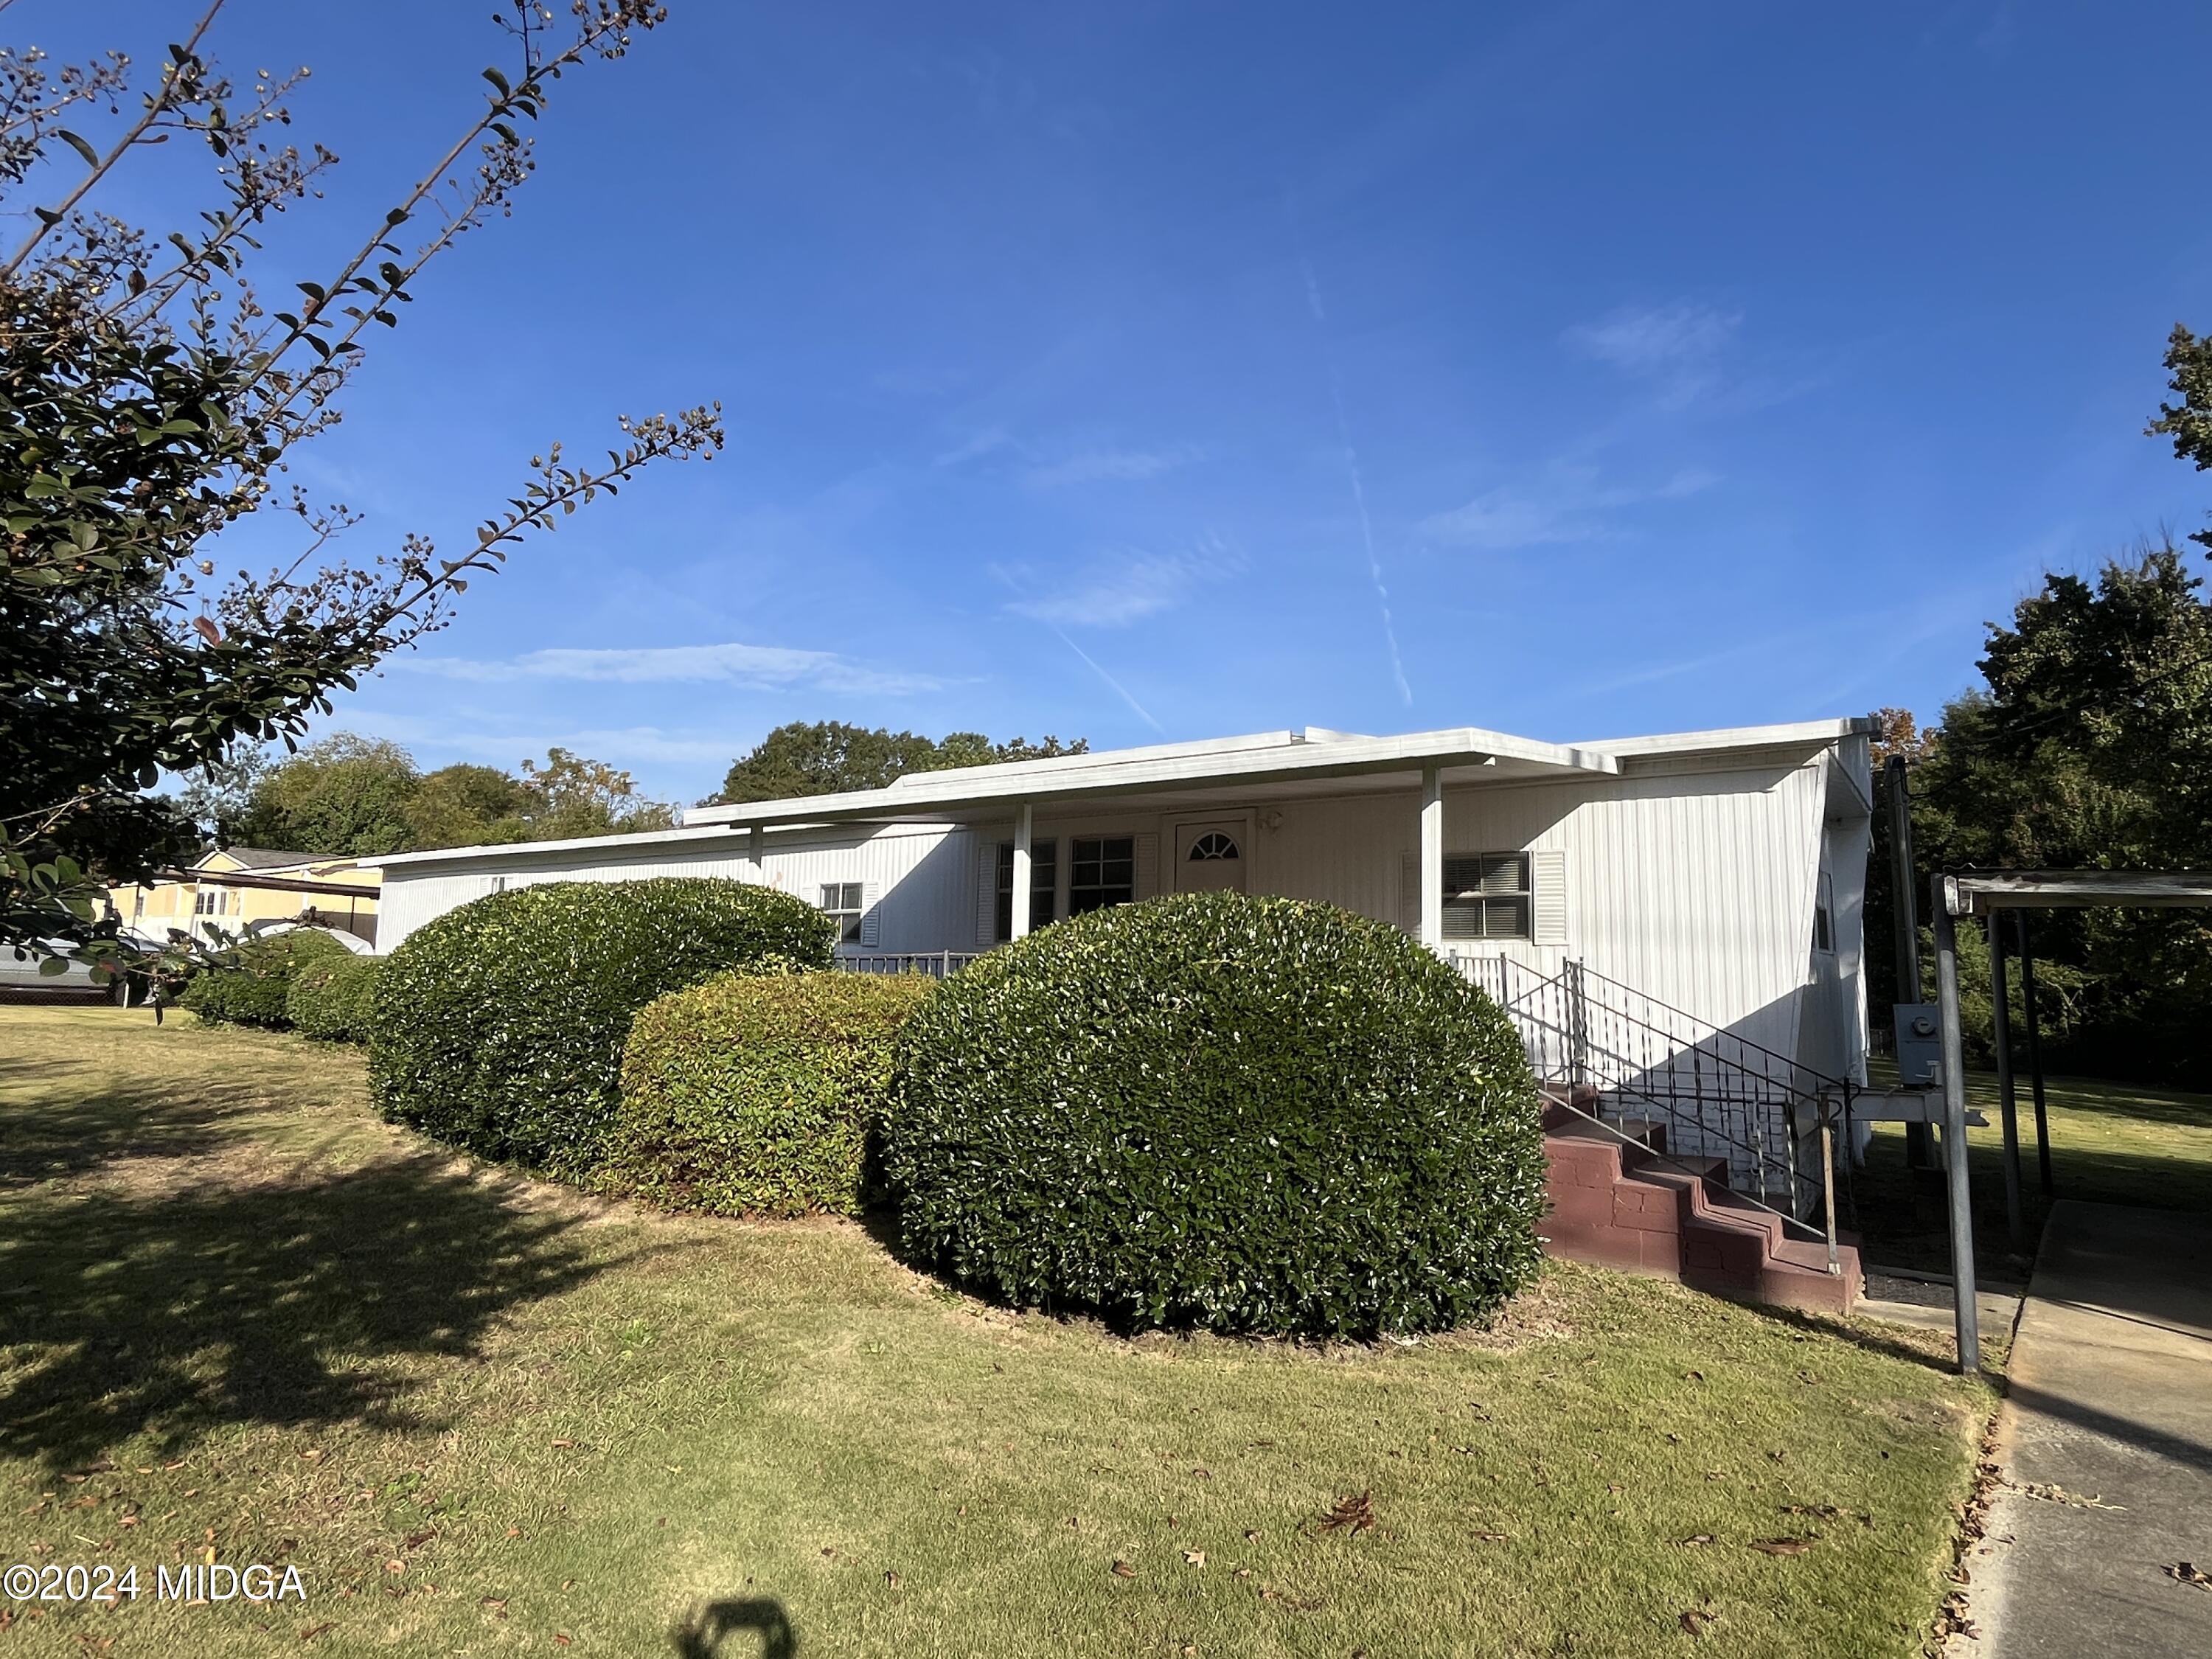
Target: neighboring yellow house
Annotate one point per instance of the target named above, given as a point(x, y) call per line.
point(237, 889)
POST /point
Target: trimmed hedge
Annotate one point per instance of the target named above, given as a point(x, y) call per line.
point(252, 983)
point(334, 1001)
point(759, 1096)
point(499, 1026)
point(1252, 1114)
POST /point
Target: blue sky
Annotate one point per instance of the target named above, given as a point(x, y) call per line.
point(1572, 369)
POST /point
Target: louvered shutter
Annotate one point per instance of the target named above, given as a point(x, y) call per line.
point(987, 892)
point(1409, 894)
point(871, 931)
point(1147, 850)
point(1548, 873)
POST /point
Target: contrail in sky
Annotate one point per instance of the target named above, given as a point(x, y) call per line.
point(1358, 487)
point(1119, 689)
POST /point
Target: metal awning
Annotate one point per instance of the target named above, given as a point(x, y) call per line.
point(1979, 894)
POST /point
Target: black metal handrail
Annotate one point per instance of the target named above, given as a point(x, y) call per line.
point(1714, 1094)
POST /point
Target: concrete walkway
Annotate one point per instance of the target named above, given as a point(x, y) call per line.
point(2105, 1444)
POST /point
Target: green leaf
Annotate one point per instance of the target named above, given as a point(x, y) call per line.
point(91, 155)
point(499, 81)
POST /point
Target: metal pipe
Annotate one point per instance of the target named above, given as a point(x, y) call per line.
point(1828, 1188)
point(2008, 1100)
point(1954, 1133)
point(1898, 787)
point(2034, 1052)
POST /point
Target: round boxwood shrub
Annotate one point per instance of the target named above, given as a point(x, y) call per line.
point(1251, 1114)
point(499, 1026)
point(251, 983)
point(757, 1095)
point(334, 1001)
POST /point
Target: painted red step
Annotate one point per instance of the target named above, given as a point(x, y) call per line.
point(1615, 1204)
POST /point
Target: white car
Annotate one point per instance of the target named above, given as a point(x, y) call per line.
point(22, 973)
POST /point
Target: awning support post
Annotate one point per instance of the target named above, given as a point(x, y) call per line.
point(1432, 857)
point(1954, 1133)
point(1905, 897)
point(1025, 829)
point(2008, 1097)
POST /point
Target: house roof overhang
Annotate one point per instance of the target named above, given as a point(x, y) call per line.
point(1263, 766)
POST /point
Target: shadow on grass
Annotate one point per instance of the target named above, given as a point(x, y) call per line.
point(180, 1313)
point(1894, 1232)
point(706, 1634)
point(56, 1139)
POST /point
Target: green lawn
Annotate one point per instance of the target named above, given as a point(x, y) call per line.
point(238, 1314)
point(2112, 1143)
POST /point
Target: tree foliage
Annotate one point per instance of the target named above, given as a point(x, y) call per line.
point(148, 399)
point(826, 757)
point(2189, 422)
point(350, 795)
point(2088, 746)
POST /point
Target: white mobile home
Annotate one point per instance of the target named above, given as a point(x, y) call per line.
point(1670, 917)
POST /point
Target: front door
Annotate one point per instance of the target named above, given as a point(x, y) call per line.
point(1210, 854)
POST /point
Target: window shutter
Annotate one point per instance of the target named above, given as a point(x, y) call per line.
point(1148, 865)
point(1549, 873)
point(987, 892)
point(1409, 893)
point(871, 931)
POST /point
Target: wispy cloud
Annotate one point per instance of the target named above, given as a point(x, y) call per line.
point(1678, 347)
point(1110, 465)
point(1656, 339)
point(756, 667)
point(974, 447)
point(1125, 588)
point(1568, 504)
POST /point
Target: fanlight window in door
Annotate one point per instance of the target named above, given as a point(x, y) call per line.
point(1211, 845)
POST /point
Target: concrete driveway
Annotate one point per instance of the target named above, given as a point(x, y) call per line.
point(2105, 1444)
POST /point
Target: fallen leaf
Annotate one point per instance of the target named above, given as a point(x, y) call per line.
point(1782, 1546)
point(1196, 1558)
point(1493, 1537)
point(1697, 1538)
point(560, 1636)
point(2189, 1573)
point(395, 1567)
point(892, 1579)
point(1123, 1569)
point(1693, 1377)
point(1242, 1572)
point(1356, 1512)
point(313, 1631)
point(1251, 1533)
point(414, 1540)
point(496, 1603)
point(1695, 1622)
point(564, 1443)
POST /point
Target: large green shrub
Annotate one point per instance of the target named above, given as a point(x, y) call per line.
point(334, 1001)
point(251, 983)
point(499, 1026)
point(756, 1094)
point(1247, 1114)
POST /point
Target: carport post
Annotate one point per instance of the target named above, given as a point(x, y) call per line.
point(1954, 1132)
point(2034, 1051)
point(1907, 919)
point(2008, 1099)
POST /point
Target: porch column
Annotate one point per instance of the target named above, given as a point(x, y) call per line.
point(1024, 825)
point(1432, 857)
point(755, 846)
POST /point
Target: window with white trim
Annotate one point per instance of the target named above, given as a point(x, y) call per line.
point(1486, 895)
point(1101, 869)
point(845, 903)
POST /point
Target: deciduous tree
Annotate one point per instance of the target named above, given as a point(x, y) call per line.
point(149, 398)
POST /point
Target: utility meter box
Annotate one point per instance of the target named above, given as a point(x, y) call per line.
point(1919, 1045)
